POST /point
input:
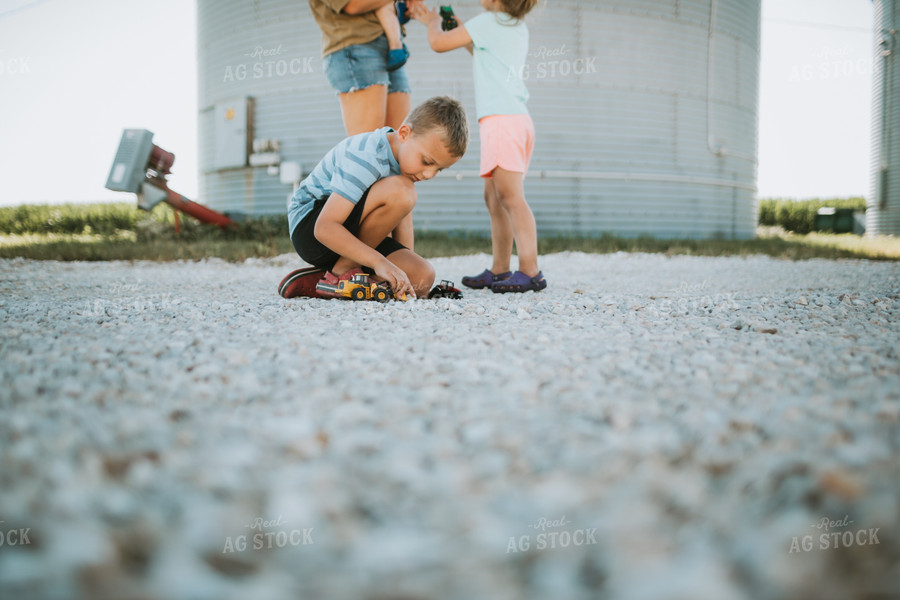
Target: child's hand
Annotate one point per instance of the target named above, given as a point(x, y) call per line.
point(396, 277)
point(421, 13)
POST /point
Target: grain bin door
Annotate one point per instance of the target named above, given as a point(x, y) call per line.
point(232, 133)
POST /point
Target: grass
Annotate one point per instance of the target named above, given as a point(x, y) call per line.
point(129, 246)
point(799, 216)
point(102, 218)
point(770, 241)
point(91, 248)
point(121, 232)
point(846, 244)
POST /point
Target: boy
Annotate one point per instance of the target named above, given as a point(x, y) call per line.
point(355, 209)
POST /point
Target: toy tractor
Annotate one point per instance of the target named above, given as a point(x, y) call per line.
point(361, 287)
point(445, 289)
point(448, 19)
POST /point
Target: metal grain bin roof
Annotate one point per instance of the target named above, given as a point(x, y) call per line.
point(645, 111)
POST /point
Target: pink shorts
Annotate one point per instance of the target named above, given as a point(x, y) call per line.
point(507, 141)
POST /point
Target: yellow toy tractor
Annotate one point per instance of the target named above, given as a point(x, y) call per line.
point(361, 287)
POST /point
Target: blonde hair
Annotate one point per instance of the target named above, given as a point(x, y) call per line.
point(517, 9)
point(446, 116)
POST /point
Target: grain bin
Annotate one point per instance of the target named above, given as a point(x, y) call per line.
point(646, 114)
point(883, 205)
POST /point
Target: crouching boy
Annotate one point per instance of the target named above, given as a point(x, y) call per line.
point(354, 211)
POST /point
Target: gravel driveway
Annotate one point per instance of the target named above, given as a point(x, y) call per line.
point(648, 427)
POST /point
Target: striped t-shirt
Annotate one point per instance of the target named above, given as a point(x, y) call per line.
point(349, 169)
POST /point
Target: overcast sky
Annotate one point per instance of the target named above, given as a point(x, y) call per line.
point(75, 73)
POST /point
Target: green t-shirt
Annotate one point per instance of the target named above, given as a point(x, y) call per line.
point(500, 49)
point(340, 30)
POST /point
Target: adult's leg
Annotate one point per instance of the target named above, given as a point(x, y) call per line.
point(398, 107)
point(510, 191)
point(501, 228)
point(364, 110)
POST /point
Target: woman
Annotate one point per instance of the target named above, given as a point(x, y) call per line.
point(355, 56)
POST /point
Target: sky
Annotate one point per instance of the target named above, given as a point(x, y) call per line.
point(75, 73)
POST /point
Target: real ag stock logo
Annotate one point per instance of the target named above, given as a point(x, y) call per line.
point(266, 540)
point(553, 534)
point(834, 539)
point(14, 537)
point(14, 65)
point(553, 63)
point(268, 62)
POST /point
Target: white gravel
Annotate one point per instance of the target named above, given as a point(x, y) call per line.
point(648, 427)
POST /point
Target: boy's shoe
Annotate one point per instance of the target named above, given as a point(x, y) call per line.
point(397, 58)
point(484, 279)
point(401, 13)
point(301, 282)
point(328, 283)
point(520, 282)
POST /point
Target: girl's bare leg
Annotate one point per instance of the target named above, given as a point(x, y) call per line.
point(501, 229)
point(510, 190)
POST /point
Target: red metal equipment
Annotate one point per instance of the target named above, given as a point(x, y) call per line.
point(141, 167)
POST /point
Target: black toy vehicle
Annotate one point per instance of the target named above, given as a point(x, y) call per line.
point(448, 19)
point(445, 289)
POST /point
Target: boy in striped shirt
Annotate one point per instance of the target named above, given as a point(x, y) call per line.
point(354, 210)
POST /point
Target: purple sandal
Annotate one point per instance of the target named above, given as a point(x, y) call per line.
point(520, 282)
point(484, 279)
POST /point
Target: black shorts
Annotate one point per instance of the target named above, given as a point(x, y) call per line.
point(318, 254)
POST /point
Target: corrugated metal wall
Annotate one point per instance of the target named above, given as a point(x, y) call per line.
point(883, 209)
point(645, 110)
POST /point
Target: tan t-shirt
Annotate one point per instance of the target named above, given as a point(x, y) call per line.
point(340, 30)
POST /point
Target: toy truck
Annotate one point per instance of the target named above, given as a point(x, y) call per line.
point(448, 19)
point(445, 289)
point(361, 287)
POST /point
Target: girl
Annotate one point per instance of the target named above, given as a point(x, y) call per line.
point(498, 42)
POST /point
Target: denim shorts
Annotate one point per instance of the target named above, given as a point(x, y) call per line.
point(357, 67)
